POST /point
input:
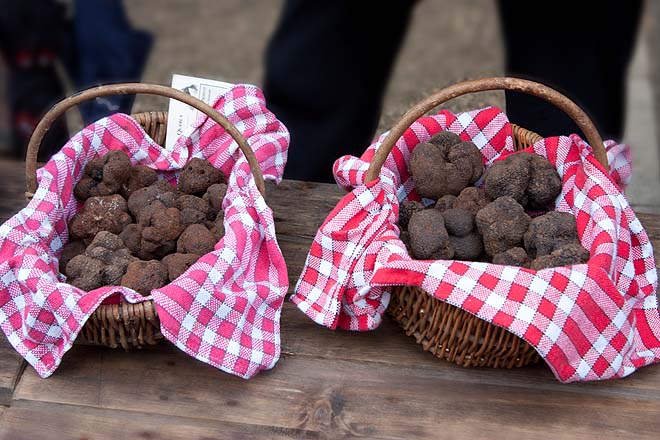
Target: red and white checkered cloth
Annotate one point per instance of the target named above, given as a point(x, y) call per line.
point(590, 321)
point(224, 310)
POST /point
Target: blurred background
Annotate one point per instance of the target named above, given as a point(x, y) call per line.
point(446, 42)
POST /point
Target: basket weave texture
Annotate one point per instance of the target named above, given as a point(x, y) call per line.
point(451, 333)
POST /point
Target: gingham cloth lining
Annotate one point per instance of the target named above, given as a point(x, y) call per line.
point(591, 321)
point(224, 310)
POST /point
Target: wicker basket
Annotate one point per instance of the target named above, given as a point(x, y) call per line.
point(447, 331)
point(130, 325)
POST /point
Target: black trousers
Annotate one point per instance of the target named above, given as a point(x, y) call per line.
point(36, 34)
point(328, 63)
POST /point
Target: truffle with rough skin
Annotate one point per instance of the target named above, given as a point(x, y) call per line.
point(549, 232)
point(103, 263)
point(214, 196)
point(467, 248)
point(406, 210)
point(471, 199)
point(103, 213)
point(111, 250)
point(445, 139)
point(458, 222)
point(512, 257)
point(69, 251)
point(463, 237)
point(445, 202)
point(404, 236)
point(103, 176)
point(509, 177)
point(568, 254)
point(544, 183)
point(140, 176)
point(162, 226)
point(527, 177)
point(144, 276)
point(197, 176)
point(132, 237)
point(160, 191)
point(217, 227)
point(85, 273)
point(438, 169)
point(502, 224)
point(429, 239)
point(193, 209)
point(196, 239)
point(178, 263)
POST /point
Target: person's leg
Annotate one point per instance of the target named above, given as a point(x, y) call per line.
point(581, 51)
point(31, 37)
point(109, 51)
point(327, 67)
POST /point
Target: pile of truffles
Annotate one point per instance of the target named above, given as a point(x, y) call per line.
point(137, 231)
point(492, 223)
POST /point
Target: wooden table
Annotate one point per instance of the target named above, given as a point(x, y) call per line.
point(326, 385)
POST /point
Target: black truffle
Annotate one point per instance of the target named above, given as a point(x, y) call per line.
point(178, 263)
point(502, 223)
point(196, 239)
point(512, 257)
point(69, 251)
point(103, 263)
point(429, 239)
point(140, 176)
point(161, 227)
point(468, 247)
point(406, 210)
point(193, 209)
point(160, 191)
point(103, 213)
point(569, 254)
point(438, 170)
point(103, 176)
point(549, 232)
point(217, 227)
point(458, 222)
point(144, 276)
point(471, 199)
point(527, 177)
point(214, 196)
point(197, 176)
point(445, 202)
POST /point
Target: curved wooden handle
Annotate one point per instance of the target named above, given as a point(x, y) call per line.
point(480, 85)
point(126, 89)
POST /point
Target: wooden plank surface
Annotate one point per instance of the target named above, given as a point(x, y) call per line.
point(39, 420)
point(326, 385)
point(347, 396)
point(11, 366)
point(12, 198)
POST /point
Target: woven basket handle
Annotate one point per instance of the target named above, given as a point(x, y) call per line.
point(126, 89)
point(480, 85)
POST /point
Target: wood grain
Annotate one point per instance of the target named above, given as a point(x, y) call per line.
point(11, 367)
point(299, 208)
point(339, 397)
point(39, 420)
point(12, 195)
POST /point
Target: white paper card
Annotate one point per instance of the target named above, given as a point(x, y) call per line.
point(182, 116)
